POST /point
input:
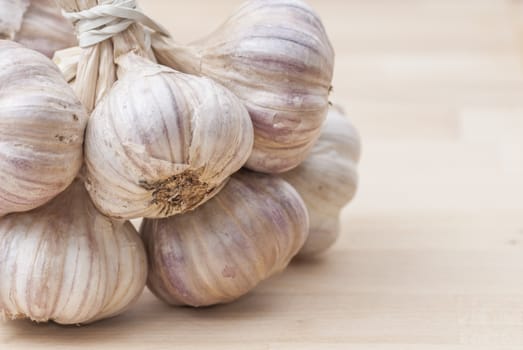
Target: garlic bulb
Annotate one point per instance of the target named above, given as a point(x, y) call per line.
point(37, 24)
point(65, 262)
point(42, 126)
point(163, 142)
point(223, 249)
point(276, 57)
point(327, 180)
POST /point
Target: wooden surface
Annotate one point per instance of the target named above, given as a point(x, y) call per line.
point(431, 255)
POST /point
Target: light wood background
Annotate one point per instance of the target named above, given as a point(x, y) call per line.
point(431, 255)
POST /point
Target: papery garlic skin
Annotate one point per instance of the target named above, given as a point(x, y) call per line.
point(163, 142)
point(42, 126)
point(37, 24)
point(327, 180)
point(11, 17)
point(276, 57)
point(65, 262)
point(44, 29)
point(224, 248)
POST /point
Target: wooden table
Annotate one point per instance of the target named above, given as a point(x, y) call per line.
point(431, 255)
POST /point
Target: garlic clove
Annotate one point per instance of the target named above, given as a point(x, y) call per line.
point(66, 262)
point(327, 180)
point(37, 24)
point(42, 126)
point(223, 249)
point(276, 57)
point(163, 142)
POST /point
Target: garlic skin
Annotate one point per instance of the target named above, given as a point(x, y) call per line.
point(44, 29)
point(276, 57)
point(42, 126)
point(163, 142)
point(327, 180)
point(11, 17)
point(223, 249)
point(37, 24)
point(65, 262)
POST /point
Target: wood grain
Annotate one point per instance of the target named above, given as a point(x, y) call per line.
point(431, 255)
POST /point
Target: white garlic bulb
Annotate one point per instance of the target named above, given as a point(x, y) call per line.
point(65, 262)
point(163, 142)
point(42, 126)
point(224, 248)
point(276, 57)
point(327, 180)
point(37, 24)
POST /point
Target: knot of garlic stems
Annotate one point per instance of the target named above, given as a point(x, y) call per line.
point(104, 21)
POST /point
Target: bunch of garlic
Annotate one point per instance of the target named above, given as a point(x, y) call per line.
point(275, 61)
point(68, 263)
point(170, 128)
point(42, 127)
point(37, 24)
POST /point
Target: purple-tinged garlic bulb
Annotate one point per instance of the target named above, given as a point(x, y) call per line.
point(224, 248)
